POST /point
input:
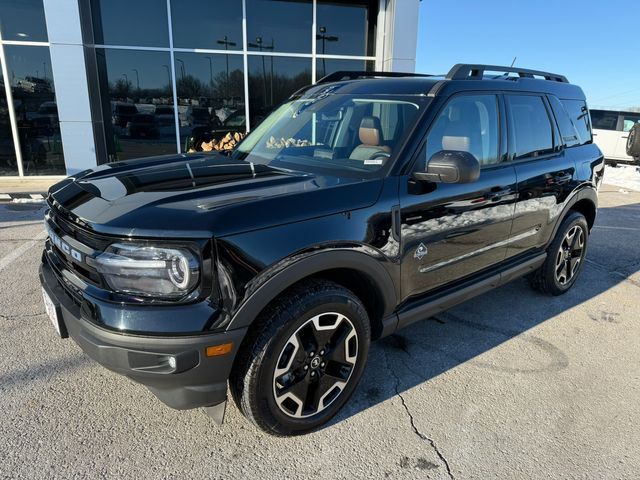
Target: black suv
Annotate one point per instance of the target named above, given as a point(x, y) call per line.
point(362, 204)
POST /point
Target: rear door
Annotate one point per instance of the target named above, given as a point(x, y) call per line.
point(545, 172)
point(605, 131)
point(449, 231)
point(627, 122)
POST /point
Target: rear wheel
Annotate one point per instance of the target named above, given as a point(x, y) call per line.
point(303, 360)
point(565, 257)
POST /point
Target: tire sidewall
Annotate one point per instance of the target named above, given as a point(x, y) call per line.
point(575, 219)
point(263, 389)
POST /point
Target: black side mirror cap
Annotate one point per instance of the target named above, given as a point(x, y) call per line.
point(450, 166)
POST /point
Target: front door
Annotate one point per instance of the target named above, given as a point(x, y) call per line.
point(450, 231)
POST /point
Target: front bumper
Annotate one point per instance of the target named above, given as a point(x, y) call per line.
point(176, 369)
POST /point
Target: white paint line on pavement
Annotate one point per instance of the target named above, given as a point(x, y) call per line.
point(13, 256)
point(36, 196)
point(617, 228)
point(5, 196)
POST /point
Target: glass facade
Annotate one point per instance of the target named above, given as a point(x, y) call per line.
point(30, 139)
point(174, 75)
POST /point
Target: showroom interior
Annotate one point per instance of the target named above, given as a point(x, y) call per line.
point(85, 82)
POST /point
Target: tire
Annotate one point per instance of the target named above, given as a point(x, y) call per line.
point(564, 257)
point(633, 142)
point(312, 342)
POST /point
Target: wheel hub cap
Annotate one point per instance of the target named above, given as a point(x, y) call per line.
point(570, 255)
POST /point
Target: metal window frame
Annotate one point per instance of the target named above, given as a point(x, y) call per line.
point(172, 50)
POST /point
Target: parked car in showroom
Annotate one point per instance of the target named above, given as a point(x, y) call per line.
point(611, 133)
point(361, 205)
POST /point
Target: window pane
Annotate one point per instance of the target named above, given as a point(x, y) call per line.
point(568, 131)
point(326, 66)
point(140, 23)
point(579, 114)
point(34, 101)
point(23, 20)
point(210, 24)
point(279, 25)
point(210, 97)
point(603, 120)
point(346, 28)
point(137, 103)
point(629, 121)
point(8, 162)
point(530, 124)
point(272, 80)
point(468, 123)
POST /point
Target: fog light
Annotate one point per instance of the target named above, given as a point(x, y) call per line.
point(172, 362)
point(217, 350)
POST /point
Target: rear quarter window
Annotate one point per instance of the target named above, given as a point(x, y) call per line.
point(579, 115)
point(568, 131)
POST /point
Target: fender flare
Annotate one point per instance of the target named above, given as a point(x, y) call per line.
point(308, 266)
point(587, 192)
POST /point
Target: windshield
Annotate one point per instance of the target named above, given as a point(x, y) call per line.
point(338, 134)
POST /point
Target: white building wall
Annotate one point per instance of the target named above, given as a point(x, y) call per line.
point(400, 35)
point(70, 80)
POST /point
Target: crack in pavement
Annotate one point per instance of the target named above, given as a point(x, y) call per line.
point(616, 273)
point(415, 429)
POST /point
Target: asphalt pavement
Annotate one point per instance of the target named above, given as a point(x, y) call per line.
point(512, 384)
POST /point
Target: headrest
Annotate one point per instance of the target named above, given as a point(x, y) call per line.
point(370, 131)
point(460, 144)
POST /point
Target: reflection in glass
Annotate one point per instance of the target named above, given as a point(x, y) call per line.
point(326, 66)
point(8, 162)
point(346, 28)
point(137, 103)
point(34, 101)
point(23, 20)
point(141, 23)
point(279, 25)
point(210, 24)
point(210, 97)
point(272, 80)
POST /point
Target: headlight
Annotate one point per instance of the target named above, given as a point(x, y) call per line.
point(148, 271)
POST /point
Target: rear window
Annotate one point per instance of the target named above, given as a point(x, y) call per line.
point(629, 120)
point(604, 120)
point(579, 115)
point(532, 131)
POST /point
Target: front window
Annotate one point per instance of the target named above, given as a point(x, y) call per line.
point(353, 135)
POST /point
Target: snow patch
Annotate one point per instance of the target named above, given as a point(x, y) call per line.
point(625, 176)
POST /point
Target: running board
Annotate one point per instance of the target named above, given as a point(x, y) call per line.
point(433, 306)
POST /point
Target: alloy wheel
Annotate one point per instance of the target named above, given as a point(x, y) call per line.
point(315, 365)
point(570, 255)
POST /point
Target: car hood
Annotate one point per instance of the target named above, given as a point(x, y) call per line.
point(200, 196)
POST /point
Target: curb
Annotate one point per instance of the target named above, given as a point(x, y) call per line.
point(22, 197)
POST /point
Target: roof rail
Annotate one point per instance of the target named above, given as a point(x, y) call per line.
point(353, 75)
point(463, 71)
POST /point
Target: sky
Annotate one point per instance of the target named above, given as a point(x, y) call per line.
point(594, 43)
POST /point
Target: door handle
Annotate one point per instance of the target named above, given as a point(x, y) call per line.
point(497, 193)
point(561, 178)
point(626, 136)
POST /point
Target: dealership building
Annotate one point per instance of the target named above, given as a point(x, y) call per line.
point(85, 82)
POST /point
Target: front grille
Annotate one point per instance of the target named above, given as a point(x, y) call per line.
point(78, 245)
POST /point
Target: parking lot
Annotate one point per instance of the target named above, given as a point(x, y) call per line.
point(512, 384)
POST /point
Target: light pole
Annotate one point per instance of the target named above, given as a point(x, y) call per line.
point(137, 78)
point(168, 75)
point(227, 43)
point(182, 69)
point(259, 45)
point(325, 38)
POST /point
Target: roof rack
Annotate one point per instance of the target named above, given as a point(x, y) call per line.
point(463, 71)
point(353, 75)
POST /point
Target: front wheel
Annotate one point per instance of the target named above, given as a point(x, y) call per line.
point(303, 360)
point(565, 257)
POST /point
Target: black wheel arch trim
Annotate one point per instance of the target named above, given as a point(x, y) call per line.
point(585, 192)
point(309, 266)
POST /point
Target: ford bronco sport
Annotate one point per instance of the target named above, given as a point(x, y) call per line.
point(362, 204)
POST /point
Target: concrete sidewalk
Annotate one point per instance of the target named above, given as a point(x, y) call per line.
point(25, 189)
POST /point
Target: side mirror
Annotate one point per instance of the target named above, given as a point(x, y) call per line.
point(450, 166)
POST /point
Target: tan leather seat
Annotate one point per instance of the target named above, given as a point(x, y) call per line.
point(370, 134)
